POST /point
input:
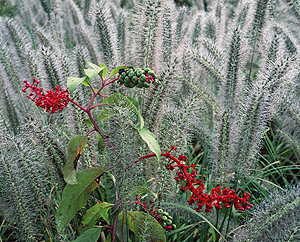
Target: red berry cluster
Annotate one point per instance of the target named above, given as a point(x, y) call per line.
point(158, 214)
point(52, 101)
point(216, 196)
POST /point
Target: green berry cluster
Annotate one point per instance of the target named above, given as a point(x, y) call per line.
point(167, 220)
point(138, 77)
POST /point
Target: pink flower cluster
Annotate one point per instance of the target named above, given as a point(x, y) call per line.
point(217, 196)
point(51, 101)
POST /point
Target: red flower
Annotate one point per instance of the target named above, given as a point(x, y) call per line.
point(216, 196)
point(51, 101)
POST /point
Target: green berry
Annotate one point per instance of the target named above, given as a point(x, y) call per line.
point(146, 84)
point(166, 214)
point(160, 211)
point(121, 81)
point(123, 74)
point(143, 78)
point(154, 76)
point(163, 224)
point(131, 85)
point(135, 79)
point(170, 217)
point(169, 222)
point(147, 69)
point(164, 218)
point(151, 72)
point(155, 82)
point(128, 71)
point(139, 85)
point(131, 74)
point(174, 226)
point(139, 73)
point(126, 79)
point(126, 84)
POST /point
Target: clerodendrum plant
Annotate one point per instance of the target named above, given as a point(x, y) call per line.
point(79, 186)
point(221, 80)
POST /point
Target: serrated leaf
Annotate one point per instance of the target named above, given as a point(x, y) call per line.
point(120, 100)
point(75, 196)
point(74, 82)
point(100, 210)
point(74, 150)
point(91, 235)
point(137, 221)
point(115, 71)
point(153, 145)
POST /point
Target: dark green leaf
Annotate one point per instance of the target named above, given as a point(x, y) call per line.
point(101, 144)
point(94, 213)
point(74, 150)
point(74, 197)
point(91, 235)
point(115, 71)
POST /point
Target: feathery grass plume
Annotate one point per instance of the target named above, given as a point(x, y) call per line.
point(51, 66)
point(122, 25)
point(22, 47)
point(8, 106)
point(167, 31)
point(289, 123)
point(274, 219)
point(128, 149)
point(295, 7)
point(257, 110)
point(180, 22)
point(23, 178)
point(105, 28)
point(260, 18)
point(146, 33)
point(156, 96)
point(90, 43)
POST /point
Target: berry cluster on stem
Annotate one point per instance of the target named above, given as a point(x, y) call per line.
point(162, 217)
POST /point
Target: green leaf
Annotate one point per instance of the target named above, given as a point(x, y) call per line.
point(213, 228)
point(100, 210)
point(91, 73)
point(91, 235)
point(120, 100)
point(101, 144)
point(107, 113)
point(74, 150)
point(75, 196)
point(88, 122)
point(73, 83)
point(140, 190)
point(134, 101)
point(139, 221)
point(115, 71)
point(153, 145)
point(103, 72)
